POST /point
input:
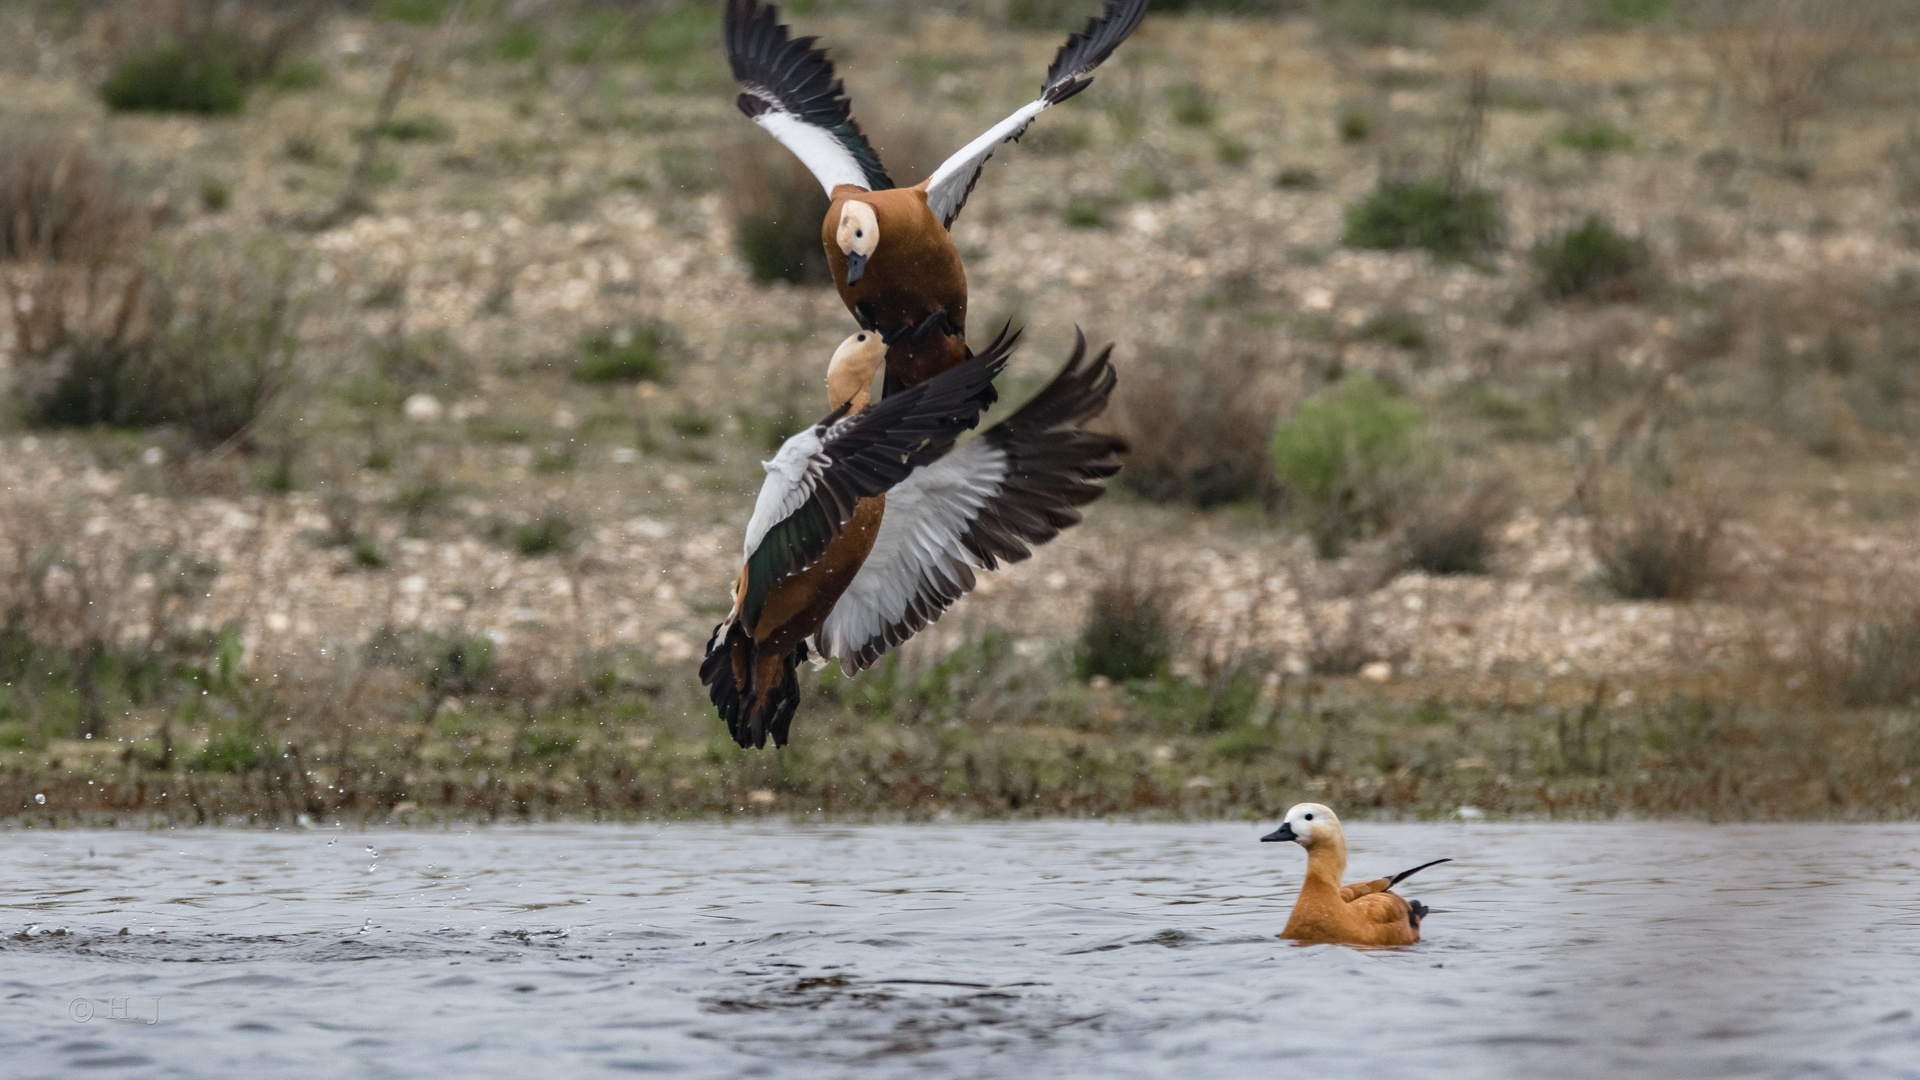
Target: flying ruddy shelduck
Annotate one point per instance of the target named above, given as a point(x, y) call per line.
point(891, 255)
point(1364, 913)
point(869, 525)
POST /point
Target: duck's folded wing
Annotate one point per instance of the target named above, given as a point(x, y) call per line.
point(1358, 889)
point(788, 88)
point(1017, 485)
point(1381, 907)
point(1072, 72)
point(818, 477)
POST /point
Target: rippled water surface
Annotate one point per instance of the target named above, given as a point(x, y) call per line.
point(1059, 950)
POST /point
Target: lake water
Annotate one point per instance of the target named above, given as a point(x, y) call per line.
point(1051, 949)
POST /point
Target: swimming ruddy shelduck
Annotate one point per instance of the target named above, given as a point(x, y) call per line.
point(1328, 912)
point(891, 255)
point(913, 544)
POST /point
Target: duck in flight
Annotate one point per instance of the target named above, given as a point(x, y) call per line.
point(1327, 912)
point(870, 524)
point(892, 257)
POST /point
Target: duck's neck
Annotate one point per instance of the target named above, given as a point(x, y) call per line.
point(1327, 862)
point(855, 403)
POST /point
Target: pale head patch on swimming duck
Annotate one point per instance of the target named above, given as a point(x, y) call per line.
point(858, 234)
point(1307, 824)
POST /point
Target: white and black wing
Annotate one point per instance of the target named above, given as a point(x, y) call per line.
point(818, 477)
point(788, 88)
point(1017, 485)
point(1072, 72)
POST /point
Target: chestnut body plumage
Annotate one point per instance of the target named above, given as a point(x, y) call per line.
point(889, 248)
point(1327, 912)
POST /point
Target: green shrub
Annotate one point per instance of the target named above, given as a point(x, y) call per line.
point(1191, 105)
point(298, 75)
point(1593, 136)
point(1231, 152)
point(1400, 329)
point(417, 12)
point(1126, 635)
point(1296, 178)
point(233, 752)
point(1142, 184)
point(519, 43)
point(1452, 224)
point(449, 663)
point(1350, 455)
point(215, 194)
point(367, 554)
point(1085, 212)
point(552, 533)
point(1627, 12)
point(199, 77)
point(627, 354)
point(691, 424)
point(423, 128)
point(1593, 260)
point(1355, 125)
point(777, 210)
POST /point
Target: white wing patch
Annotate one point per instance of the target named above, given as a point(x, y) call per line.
point(824, 155)
point(917, 561)
point(947, 188)
point(791, 476)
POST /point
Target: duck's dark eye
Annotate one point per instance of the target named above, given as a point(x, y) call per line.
point(1309, 817)
point(857, 234)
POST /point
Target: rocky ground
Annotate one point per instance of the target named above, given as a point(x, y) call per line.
point(557, 199)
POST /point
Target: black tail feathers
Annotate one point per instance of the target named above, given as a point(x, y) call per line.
point(734, 700)
point(1405, 874)
point(1416, 912)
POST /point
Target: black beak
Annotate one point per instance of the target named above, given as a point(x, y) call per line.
point(1284, 832)
point(856, 265)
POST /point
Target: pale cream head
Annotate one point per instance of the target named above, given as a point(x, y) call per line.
point(858, 235)
point(1310, 823)
point(850, 372)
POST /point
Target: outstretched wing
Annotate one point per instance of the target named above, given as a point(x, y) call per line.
point(1018, 484)
point(819, 476)
point(788, 88)
point(1072, 72)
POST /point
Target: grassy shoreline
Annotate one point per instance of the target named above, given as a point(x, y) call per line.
point(983, 733)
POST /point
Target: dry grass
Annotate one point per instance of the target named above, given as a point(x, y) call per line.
point(1783, 58)
point(1456, 534)
point(1658, 548)
point(1198, 422)
point(60, 204)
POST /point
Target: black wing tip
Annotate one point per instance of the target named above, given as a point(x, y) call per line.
point(765, 57)
point(1072, 69)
